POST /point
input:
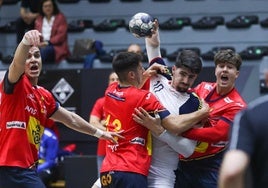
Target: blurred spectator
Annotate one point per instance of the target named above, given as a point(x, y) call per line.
point(48, 154)
point(135, 48)
point(28, 14)
point(53, 26)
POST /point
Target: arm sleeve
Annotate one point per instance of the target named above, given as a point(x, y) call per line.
point(215, 133)
point(181, 145)
point(153, 51)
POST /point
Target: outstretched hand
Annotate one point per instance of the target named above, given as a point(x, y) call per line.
point(112, 136)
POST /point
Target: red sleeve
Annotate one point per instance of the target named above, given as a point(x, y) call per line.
point(218, 130)
point(216, 133)
point(97, 109)
point(146, 85)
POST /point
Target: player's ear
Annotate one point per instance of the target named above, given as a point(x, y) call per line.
point(131, 75)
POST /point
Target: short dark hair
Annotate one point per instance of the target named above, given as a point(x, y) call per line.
point(124, 62)
point(228, 56)
point(189, 59)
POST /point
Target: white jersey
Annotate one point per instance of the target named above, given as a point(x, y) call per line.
point(165, 158)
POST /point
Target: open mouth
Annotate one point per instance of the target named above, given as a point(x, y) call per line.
point(224, 78)
point(34, 67)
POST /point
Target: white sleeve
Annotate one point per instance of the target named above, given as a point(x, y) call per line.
point(153, 46)
point(183, 146)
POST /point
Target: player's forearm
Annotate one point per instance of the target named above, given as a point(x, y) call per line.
point(153, 46)
point(179, 144)
point(98, 125)
point(73, 121)
point(179, 124)
point(217, 133)
point(16, 68)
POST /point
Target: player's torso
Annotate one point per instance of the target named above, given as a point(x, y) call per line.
point(136, 146)
point(164, 158)
point(23, 115)
point(166, 94)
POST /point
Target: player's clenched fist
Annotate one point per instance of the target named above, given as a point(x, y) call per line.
point(32, 38)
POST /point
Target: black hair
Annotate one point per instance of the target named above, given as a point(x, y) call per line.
point(124, 62)
point(189, 59)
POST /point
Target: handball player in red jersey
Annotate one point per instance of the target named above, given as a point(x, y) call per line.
point(24, 108)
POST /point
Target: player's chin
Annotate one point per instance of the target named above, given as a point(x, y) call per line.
point(182, 89)
point(34, 74)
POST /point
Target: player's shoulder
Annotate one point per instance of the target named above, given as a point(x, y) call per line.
point(193, 95)
point(192, 104)
point(100, 100)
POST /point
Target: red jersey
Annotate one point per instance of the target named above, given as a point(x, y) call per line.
point(133, 153)
point(213, 136)
point(24, 110)
point(97, 111)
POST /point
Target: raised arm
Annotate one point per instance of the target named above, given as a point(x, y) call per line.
point(16, 68)
point(152, 44)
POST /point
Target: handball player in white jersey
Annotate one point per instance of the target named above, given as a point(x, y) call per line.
point(173, 93)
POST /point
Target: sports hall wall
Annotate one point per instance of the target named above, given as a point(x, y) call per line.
point(88, 85)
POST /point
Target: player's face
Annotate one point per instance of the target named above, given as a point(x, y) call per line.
point(226, 74)
point(33, 63)
point(113, 78)
point(182, 78)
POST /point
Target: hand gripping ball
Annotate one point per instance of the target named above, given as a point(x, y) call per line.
point(141, 25)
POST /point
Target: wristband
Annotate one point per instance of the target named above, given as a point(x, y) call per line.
point(98, 133)
point(25, 41)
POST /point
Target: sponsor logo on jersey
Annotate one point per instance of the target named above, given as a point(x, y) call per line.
point(138, 140)
point(31, 97)
point(220, 144)
point(208, 87)
point(16, 124)
point(113, 147)
point(117, 95)
point(31, 110)
point(228, 100)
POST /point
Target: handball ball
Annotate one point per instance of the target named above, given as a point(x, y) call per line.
point(141, 25)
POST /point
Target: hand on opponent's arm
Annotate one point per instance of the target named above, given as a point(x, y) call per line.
point(142, 117)
point(176, 124)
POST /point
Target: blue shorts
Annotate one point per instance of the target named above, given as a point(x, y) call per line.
point(119, 179)
point(199, 173)
point(11, 177)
